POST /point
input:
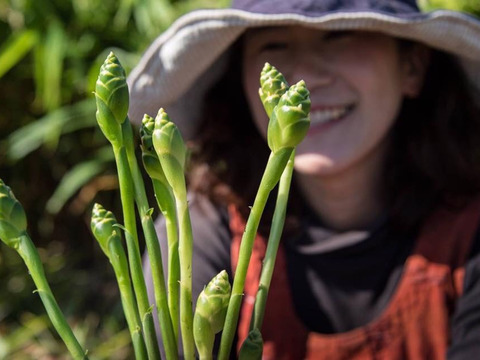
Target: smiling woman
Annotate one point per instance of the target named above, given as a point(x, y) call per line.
point(381, 245)
point(347, 73)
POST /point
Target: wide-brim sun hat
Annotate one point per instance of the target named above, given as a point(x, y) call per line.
point(185, 60)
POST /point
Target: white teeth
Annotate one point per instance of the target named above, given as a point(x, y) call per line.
point(323, 116)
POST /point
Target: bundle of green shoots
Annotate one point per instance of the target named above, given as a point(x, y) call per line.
point(164, 154)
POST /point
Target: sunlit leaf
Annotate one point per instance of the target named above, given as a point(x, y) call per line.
point(54, 54)
point(77, 177)
point(15, 48)
point(64, 120)
point(38, 73)
point(123, 14)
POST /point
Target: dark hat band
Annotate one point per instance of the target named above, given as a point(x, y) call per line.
point(315, 8)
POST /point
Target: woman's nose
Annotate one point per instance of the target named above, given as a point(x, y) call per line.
point(309, 65)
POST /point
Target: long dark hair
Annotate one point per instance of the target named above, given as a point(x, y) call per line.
point(434, 155)
point(229, 154)
point(434, 158)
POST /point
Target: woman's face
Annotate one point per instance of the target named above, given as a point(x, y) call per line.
point(357, 81)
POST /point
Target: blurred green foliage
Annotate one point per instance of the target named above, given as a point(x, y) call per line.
point(56, 160)
point(468, 6)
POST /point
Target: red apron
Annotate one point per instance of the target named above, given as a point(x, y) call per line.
point(415, 324)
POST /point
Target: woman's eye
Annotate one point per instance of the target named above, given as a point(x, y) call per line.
point(337, 35)
point(274, 46)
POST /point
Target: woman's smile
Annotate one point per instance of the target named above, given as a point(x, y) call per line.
point(322, 117)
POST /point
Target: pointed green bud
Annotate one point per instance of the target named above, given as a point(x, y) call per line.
point(146, 132)
point(13, 221)
point(210, 312)
point(111, 94)
point(149, 156)
point(213, 301)
point(167, 138)
point(290, 119)
point(171, 150)
point(252, 347)
point(272, 86)
point(103, 227)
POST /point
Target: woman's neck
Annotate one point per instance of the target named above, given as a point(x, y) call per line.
point(348, 200)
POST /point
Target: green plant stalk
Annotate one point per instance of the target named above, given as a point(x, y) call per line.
point(171, 151)
point(30, 256)
point(168, 336)
point(278, 222)
point(119, 262)
point(112, 99)
point(13, 232)
point(134, 258)
point(107, 232)
point(185, 253)
point(167, 207)
point(274, 169)
point(166, 203)
point(204, 353)
point(153, 246)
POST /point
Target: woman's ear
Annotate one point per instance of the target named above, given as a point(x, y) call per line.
point(416, 61)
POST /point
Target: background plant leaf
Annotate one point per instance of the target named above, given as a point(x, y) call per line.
point(49, 128)
point(15, 48)
point(78, 176)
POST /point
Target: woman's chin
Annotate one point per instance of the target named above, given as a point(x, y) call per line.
point(314, 165)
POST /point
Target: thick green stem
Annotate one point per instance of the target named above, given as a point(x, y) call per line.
point(205, 352)
point(166, 203)
point(275, 166)
point(134, 257)
point(208, 356)
point(273, 243)
point(171, 152)
point(185, 252)
point(166, 328)
point(153, 247)
point(120, 266)
point(30, 256)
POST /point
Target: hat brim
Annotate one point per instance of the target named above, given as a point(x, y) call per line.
point(178, 57)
